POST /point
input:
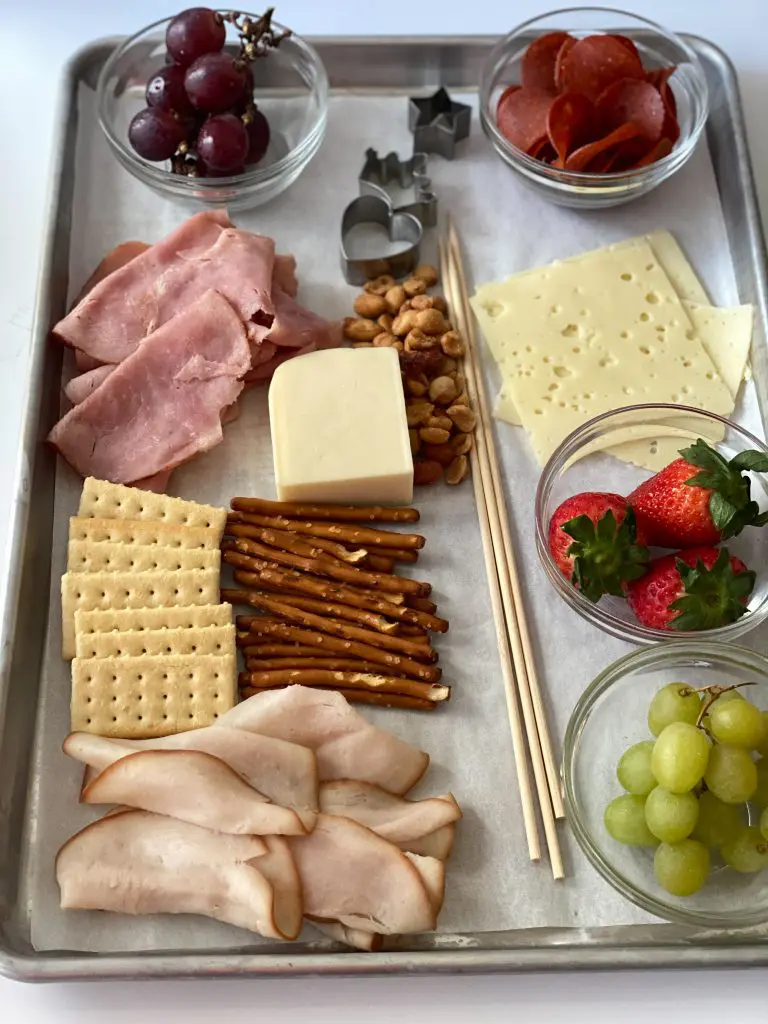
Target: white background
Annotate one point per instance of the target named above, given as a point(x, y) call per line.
point(35, 40)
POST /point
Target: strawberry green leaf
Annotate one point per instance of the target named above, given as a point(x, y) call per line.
point(712, 597)
point(730, 504)
point(754, 461)
point(605, 554)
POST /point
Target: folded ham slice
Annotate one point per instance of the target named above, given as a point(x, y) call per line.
point(191, 786)
point(284, 772)
point(204, 253)
point(388, 815)
point(80, 387)
point(351, 875)
point(134, 862)
point(163, 404)
point(346, 745)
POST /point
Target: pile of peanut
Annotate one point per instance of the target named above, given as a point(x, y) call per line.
point(440, 418)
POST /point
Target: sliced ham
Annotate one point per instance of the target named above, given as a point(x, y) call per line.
point(80, 387)
point(390, 816)
point(191, 786)
point(134, 862)
point(347, 746)
point(297, 327)
point(115, 259)
point(284, 274)
point(204, 253)
point(351, 875)
point(163, 404)
point(284, 772)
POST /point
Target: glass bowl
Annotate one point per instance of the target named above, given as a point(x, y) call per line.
point(611, 716)
point(581, 463)
point(291, 88)
point(658, 48)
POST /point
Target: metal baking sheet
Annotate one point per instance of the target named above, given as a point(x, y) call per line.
point(364, 67)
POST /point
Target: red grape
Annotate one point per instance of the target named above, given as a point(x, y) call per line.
point(222, 144)
point(258, 137)
point(193, 33)
point(214, 82)
point(165, 90)
point(155, 134)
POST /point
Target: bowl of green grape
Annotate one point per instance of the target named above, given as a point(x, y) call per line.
point(666, 781)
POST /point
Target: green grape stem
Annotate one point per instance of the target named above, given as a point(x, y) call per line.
point(714, 692)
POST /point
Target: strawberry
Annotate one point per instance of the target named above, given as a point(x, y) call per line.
point(700, 588)
point(699, 499)
point(593, 541)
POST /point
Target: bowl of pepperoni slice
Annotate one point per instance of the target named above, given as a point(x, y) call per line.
point(593, 107)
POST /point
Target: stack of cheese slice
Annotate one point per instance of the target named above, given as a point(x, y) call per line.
point(153, 649)
point(624, 325)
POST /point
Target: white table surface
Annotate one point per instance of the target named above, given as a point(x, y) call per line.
point(35, 40)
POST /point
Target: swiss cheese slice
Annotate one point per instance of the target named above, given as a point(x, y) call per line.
point(585, 336)
point(726, 334)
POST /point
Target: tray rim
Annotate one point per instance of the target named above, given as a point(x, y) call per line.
point(50, 966)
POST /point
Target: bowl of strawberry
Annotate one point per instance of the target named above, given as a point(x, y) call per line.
point(592, 107)
point(214, 107)
point(671, 552)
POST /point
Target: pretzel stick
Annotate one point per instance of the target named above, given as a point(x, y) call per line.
point(347, 681)
point(330, 664)
point(308, 620)
point(415, 632)
point(316, 586)
point(381, 563)
point(257, 648)
point(285, 631)
point(386, 700)
point(370, 620)
point(410, 556)
point(323, 567)
point(342, 513)
point(361, 536)
point(314, 547)
point(422, 604)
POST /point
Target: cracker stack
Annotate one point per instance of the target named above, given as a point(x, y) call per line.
point(153, 649)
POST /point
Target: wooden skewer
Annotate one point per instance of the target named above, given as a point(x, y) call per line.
point(533, 704)
point(518, 739)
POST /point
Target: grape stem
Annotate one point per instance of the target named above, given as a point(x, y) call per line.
point(714, 692)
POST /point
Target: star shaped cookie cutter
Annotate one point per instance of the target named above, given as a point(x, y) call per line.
point(438, 123)
point(380, 173)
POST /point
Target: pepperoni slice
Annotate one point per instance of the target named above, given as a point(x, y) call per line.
point(662, 148)
point(630, 99)
point(570, 122)
point(594, 62)
point(537, 68)
point(626, 41)
point(567, 46)
point(522, 117)
point(581, 158)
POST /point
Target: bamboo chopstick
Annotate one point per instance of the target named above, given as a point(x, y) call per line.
point(513, 710)
point(533, 704)
point(507, 582)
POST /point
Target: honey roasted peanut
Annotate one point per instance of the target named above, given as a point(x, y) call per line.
point(461, 444)
point(385, 322)
point(440, 420)
point(379, 285)
point(394, 298)
point(434, 435)
point(414, 286)
point(442, 453)
point(416, 385)
point(370, 306)
point(360, 329)
point(431, 321)
point(422, 302)
point(426, 471)
point(463, 417)
point(452, 345)
point(427, 273)
point(384, 340)
point(442, 390)
point(457, 470)
point(418, 341)
point(403, 323)
point(417, 411)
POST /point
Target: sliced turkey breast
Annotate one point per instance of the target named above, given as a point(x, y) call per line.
point(369, 942)
point(388, 815)
point(194, 787)
point(134, 862)
point(436, 844)
point(432, 874)
point(347, 746)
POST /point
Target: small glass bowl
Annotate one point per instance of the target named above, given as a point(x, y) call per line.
point(658, 48)
point(580, 463)
point(291, 89)
point(611, 716)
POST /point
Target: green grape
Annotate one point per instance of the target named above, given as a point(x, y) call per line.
point(760, 796)
point(676, 702)
point(747, 852)
point(731, 774)
point(680, 757)
point(718, 822)
point(737, 722)
point(625, 821)
point(762, 747)
point(634, 769)
point(723, 698)
point(764, 824)
point(671, 817)
point(681, 868)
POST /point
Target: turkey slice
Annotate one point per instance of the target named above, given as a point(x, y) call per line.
point(370, 942)
point(432, 874)
point(346, 744)
point(351, 875)
point(194, 787)
point(141, 863)
point(388, 815)
point(284, 772)
point(437, 844)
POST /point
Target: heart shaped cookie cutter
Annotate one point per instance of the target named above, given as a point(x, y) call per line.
point(379, 173)
point(401, 227)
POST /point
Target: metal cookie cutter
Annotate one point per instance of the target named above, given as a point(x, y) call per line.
point(401, 227)
point(381, 171)
point(438, 123)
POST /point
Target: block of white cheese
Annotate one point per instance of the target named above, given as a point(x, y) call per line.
point(339, 431)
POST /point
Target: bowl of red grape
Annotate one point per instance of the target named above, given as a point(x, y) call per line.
point(665, 767)
point(214, 107)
